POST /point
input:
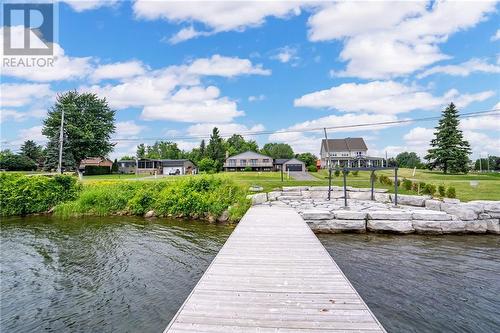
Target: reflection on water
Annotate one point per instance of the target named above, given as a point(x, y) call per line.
point(424, 283)
point(100, 274)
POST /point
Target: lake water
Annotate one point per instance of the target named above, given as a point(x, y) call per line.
point(125, 274)
point(100, 274)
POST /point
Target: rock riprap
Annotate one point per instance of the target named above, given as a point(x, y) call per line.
point(414, 214)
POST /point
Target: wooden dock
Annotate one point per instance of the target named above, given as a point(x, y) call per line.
point(273, 275)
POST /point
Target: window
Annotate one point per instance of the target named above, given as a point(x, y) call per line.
point(359, 153)
point(232, 162)
point(345, 154)
point(243, 162)
point(265, 160)
point(253, 162)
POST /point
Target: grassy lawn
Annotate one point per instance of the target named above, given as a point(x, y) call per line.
point(112, 177)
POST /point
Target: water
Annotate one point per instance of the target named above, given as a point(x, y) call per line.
point(119, 274)
point(424, 283)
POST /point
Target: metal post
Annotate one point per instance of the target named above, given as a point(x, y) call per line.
point(329, 163)
point(61, 139)
point(345, 188)
point(372, 183)
point(488, 161)
point(281, 172)
point(396, 186)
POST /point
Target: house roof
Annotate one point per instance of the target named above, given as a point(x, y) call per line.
point(280, 161)
point(174, 163)
point(347, 144)
point(294, 161)
point(94, 160)
point(249, 154)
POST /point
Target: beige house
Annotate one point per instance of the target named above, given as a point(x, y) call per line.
point(248, 159)
point(348, 152)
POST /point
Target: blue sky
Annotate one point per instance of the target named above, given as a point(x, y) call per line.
point(174, 70)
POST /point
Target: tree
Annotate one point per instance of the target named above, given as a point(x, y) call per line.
point(141, 151)
point(277, 150)
point(308, 158)
point(208, 165)
point(16, 162)
point(114, 167)
point(127, 158)
point(202, 148)
point(449, 152)
point(236, 144)
point(482, 164)
point(216, 148)
point(408, 160)
point(164, 150)
point(88, 125)
point(51, 161)
point(33, 151)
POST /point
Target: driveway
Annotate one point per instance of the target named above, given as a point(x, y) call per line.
point(302, 175)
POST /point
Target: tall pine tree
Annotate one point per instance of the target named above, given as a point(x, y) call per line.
point(216, 148)
point(449, 152)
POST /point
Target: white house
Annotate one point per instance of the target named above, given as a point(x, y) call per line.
point(348, 152)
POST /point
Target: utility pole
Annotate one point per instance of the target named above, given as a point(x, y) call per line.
point(61, 139)
point(329, 165)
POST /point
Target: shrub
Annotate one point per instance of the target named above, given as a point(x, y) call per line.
point(312, 168)
point(441, 190)
point(208, 165)
point(248, 168)
point(21, 194)
point(355, 173)
point(421, 186)
point(451, 193)
point(337, 173)
point(415, 187)
point(429, 189)
point(346, 172)
point(384, 180)
point(91, 170)
point(16, 162)
point(407, 184)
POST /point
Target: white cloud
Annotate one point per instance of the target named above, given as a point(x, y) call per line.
point(482, 143)
point(83, 5)
point(256, 98)
point(22, 94)
point(32, 133)
point(390, 39)
point(186, 34)
point(196, 94)
point(118, 70)
point(484, 122)
point(128, 128)
point(217, 16)
point(219, 110)
point(19, 116)
point(419, 136)
point(286, 54)
point(496, 36)
point(219, 65)
point(383, 97)
point(463, 69)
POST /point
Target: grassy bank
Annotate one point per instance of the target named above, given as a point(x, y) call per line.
point(204, 197)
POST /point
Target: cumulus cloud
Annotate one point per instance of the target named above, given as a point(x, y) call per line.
point(389, 39)
point(83, 5)
point(218, 65)
point(225, 129)
point(496, 36)
point(128, 128)
point(484, 122)
point(216, 16)
point(463, 69)
point(118, 70)
point(286, 54)
point(383, 97)
point(22, 94)
point(256, 98)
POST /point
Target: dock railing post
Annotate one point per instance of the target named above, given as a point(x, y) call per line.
point(372, 181)
point(396, 186)
point(345, 187)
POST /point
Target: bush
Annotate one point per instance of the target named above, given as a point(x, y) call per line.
point(451, 193)
point(355, 173)
point(384, 180)
point(15, 162)
point(208, 165)
point(247, 168)
point(422, 186)
point(91, 170)
point(21, 194)
point(429, 189)
point(312, 168)
point(441, 191)
point(337, 173)
point(407, 184)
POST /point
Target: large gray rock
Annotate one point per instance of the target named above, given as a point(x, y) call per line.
point(295, 188)
point(487, 205)
point(347, 225)
point(272, 196)
point(402, 227)
point(150, 214)
point(430, 215)
point(476, 226)
point(349, 215)
point(438, 227)
point(317, 214)
point(433, 204)
point(318, 188)
point(462, 211)
point(258, 198)
point(382, 197)
point(493, 226)
point(451, 200)
point(411, 200)
point(318, 194)
point(288, 197)
point(359, 195)
point(389, 215)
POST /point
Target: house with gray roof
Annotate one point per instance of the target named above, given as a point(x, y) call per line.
point(249, 160)
point(348, 152)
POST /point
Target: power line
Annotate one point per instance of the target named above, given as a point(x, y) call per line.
point(302, 130)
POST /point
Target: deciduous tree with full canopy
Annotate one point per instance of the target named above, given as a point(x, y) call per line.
point(237, 144)
point(89, 123)
point(308, 158)
point(449, 152)
point(408, 160)
point(277, 150)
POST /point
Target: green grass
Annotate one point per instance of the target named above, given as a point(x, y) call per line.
point(115, 176)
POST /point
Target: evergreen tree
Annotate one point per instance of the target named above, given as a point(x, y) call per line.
point(52, 156)
point(33, 151)
point(216, 148)
point(141, 151)
point(88, 126)
point(114, 167)
point(449, 152)
point(202, 149)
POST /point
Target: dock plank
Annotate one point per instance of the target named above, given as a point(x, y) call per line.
point(273, 275)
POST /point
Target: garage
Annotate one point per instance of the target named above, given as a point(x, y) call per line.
point(294, 167)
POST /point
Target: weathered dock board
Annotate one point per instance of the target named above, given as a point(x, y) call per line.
point(273, 275)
